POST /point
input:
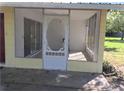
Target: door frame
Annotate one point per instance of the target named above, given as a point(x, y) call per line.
point(1, 12)
point(43, 36)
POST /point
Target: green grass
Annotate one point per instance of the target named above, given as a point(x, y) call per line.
point(114, 50)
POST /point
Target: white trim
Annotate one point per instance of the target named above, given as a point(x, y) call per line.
point(48, 58)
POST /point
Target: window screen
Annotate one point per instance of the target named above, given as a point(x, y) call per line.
point(32, 36)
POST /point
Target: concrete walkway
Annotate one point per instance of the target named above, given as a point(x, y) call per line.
point(32, 79)
point(1, 88)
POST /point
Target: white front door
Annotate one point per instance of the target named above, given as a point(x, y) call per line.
point(55, 42)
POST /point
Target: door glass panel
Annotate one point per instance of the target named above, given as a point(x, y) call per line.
point(55, 34)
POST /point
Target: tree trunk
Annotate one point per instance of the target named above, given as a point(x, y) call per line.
point(122, 36)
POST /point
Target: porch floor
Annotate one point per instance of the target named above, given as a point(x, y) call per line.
point(32, 79)
point(79, 56)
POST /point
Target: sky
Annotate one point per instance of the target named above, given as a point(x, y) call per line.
point(66, 1)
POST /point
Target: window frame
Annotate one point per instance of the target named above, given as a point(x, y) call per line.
point(92, 46)
point(34, 23)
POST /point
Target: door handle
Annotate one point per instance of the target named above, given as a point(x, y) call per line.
point(63, 40)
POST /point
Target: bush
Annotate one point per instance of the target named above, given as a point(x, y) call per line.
point(108, 68)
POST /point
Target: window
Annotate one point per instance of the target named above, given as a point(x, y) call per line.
point(38, 36)
point(91, 32)
point(32, 37)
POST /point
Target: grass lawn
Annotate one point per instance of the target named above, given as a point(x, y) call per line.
point(114, 50)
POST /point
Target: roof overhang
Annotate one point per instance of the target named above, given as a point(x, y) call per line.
point(52, 5)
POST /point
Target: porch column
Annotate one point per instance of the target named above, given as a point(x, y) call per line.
point(101, 39)
point(9, 35)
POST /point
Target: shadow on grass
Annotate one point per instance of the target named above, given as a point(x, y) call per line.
point(110, 49)
point(115, 41)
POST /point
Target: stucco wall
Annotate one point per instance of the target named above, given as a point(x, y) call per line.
point(78, 28)
point(77, 35)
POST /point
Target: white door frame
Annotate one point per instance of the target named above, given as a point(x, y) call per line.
point(66, 42)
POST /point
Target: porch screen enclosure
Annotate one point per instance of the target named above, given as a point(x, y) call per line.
point(83, 33)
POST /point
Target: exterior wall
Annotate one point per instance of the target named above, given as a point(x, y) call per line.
point(77, 35)
point(12, 61)
point(78, 28)
point(83, 66)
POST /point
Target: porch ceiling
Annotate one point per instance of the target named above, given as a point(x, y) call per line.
point(81, 15)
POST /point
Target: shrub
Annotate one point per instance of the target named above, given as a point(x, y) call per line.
point(108, 68)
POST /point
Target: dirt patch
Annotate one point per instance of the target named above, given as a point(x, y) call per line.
point(116, 83)
point(116, 80)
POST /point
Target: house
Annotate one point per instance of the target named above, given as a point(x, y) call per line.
point(53, 36)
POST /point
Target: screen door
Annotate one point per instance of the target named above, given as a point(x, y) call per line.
point(55, 42)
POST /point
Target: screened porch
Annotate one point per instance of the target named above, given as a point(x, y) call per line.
point(82, 38)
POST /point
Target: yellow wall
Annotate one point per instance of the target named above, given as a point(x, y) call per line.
point(12, 61)
point(83, 66)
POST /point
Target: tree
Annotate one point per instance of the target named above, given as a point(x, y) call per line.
point(118, 24)
point(115, 22)
point(111, 16)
